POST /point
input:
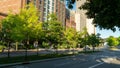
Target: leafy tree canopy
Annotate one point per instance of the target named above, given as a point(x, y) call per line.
point(69, 3)
point(105, 13)
point(112, 41)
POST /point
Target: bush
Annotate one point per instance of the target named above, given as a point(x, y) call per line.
point(2, 46)
point(45, 45)
point(63, 46)
point(31, 46)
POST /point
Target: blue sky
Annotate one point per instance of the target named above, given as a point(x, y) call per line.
point(105, 33)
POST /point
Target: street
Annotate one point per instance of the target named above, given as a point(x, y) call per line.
point(104, 59)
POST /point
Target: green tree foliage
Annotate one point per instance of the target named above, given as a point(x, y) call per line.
point(70, 3)
point(22, 26)
point(79, 38)
point(119, 40)
point(29, 16)
point(112, 41)
point(85, 37)
point(94, 40)
point(0, 26)
point(11, 29)
point(70, 35)
point(105, 13)
point(54, 30)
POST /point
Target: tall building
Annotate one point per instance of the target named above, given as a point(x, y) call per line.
point(45, 7)
point(13, 6)
point(52, 6)
point(60, 10)
point(81, 19)
point(70, 19)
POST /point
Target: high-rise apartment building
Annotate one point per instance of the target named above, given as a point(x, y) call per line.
point(52, 6)
point(60, 10)
point(70, 19)
point(81, 19)
point(45, 7)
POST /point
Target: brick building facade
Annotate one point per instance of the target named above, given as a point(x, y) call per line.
point(70, 19)
point(13, 6)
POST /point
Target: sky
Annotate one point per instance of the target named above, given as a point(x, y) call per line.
point(105, 33)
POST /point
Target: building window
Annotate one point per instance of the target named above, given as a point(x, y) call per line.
point(44, 9)
point(48, 2)
point(40, 1)
point(35, 3)
point(28, 1)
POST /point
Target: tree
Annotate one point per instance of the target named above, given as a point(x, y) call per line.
point(54, 30)
point(85, 37)
point(30, 18)
point(105, 13)
point(16, 27)
point(69, 3)
point(22, 26)
point(119, 40)
point(79, 38)
point(37, 34)
point(70, 36)
point(11, 29)
point(94, 40)
point(112, 41)
point(0, 25)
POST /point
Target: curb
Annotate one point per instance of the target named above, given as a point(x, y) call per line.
point(29, 62)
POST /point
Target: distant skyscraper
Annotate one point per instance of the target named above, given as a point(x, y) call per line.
point(81, 19)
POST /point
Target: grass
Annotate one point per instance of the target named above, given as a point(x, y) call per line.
point(6, 60)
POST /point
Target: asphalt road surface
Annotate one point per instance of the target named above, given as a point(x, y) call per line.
point(105, 59)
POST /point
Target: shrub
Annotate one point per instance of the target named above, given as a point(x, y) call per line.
point(2, 46)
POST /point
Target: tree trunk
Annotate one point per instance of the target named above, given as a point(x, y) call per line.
point(16, 46)
point(93, 48)
point(85, 48)
point(37, 47)
point(26, 50)
point(73, 50)
point(56, 49)
point(8, 49)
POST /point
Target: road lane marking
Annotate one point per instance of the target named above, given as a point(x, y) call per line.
point(96, 65)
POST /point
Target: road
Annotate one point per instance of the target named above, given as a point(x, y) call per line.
point(105, 59)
